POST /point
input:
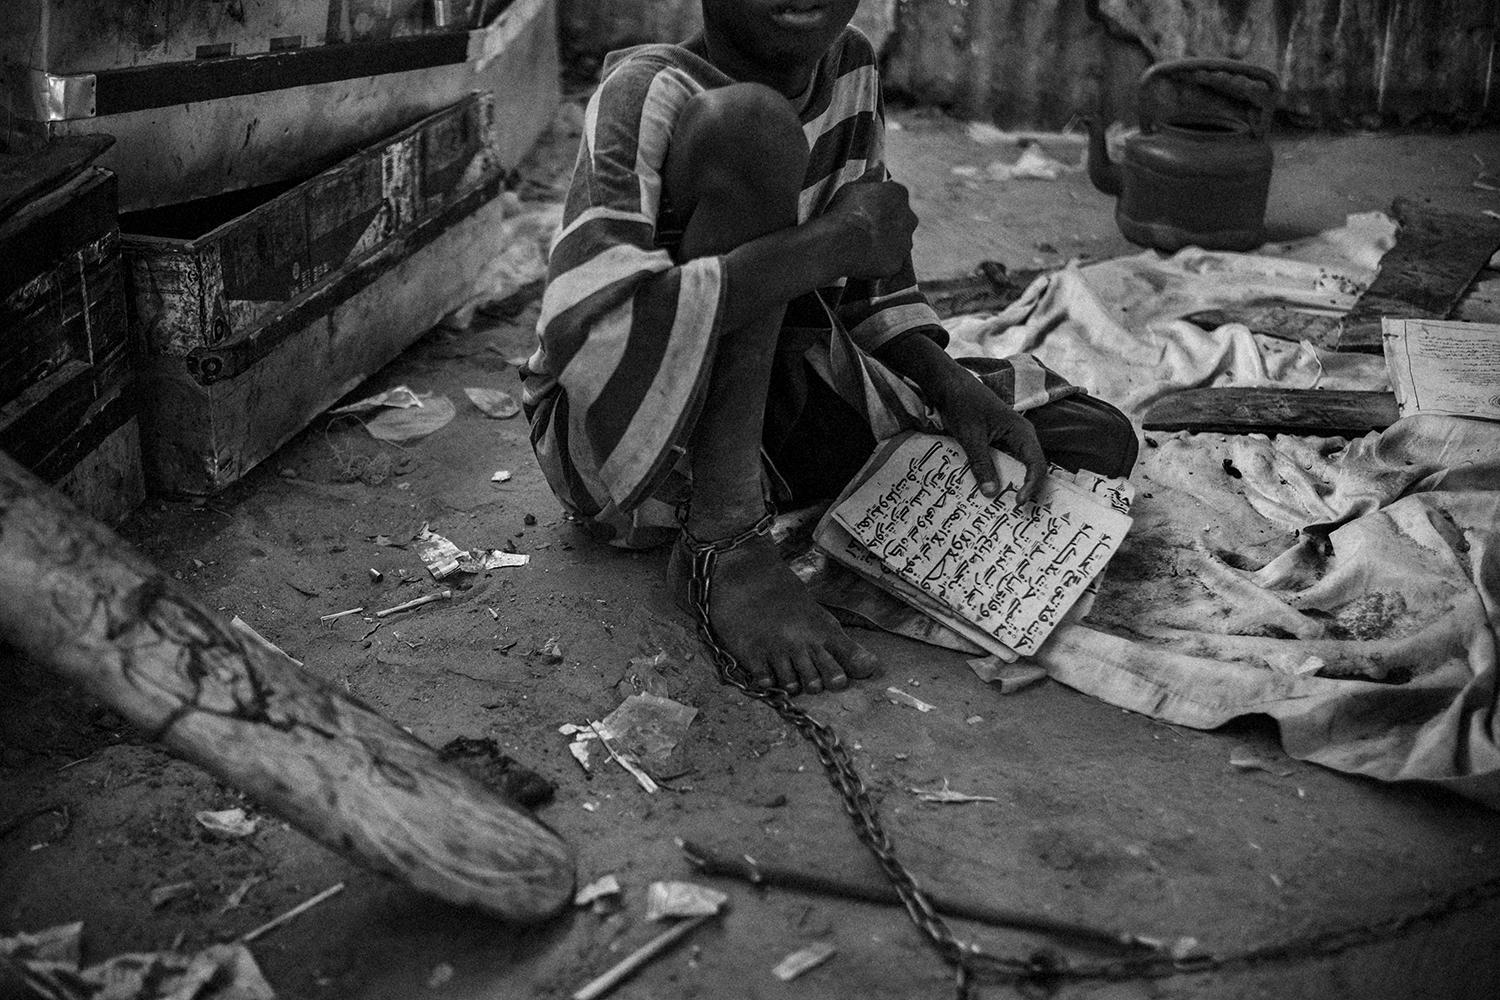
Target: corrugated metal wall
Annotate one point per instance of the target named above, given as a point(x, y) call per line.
point(1035, 62)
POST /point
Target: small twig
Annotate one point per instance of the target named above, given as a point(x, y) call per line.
point(415, 603)
point(339, 614)
point(291, 914)
point(627, 966)
point(372, 631)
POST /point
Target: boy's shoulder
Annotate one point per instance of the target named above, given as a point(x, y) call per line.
point(650, 59)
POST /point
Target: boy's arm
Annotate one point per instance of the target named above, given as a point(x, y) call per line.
point(975, 417)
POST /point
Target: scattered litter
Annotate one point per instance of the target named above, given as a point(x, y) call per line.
point(1178, 948)
point(399, 398)
point(947, 796)
point(340, 614)
point(899, 697)
point(291, 914)
point(385, 541)
point(1033, 164)
point(375, 628)
point(1487, 181)
point(1009, 677)
point(550, 651)
point(642, 778)
point(803, 960)
point(236, 899)
point(965, 170)
point(591, 807)
point(243, 627)
point(682, 899)
point(1248, 759)
point(226, 822)
point(443, 558)
point(1491, 213)
point(627, 966)
point(397, 426)
point(164, 894)
point(643, 730)
point(502, 476)
point(441, 974)
point(494, 403)
point(603, 887)
point(49, 962)
point(415, 603)
point(974, 720)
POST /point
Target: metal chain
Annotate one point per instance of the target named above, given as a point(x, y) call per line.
point(1043, 967)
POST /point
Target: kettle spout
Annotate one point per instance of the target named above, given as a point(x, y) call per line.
point(1104, 173)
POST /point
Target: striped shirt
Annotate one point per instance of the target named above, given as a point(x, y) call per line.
point(625, 330)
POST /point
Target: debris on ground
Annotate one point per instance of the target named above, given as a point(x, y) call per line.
point(803, 960)
point(495, 403)
point(244, 628)
point(1008, 677)
point(443, 558)
point(896, 696)
point(550, 651)
point(414, 603)
point(433, 413)
point(682, 899)
point(399, 398)
point(947, 796)
point(625, 968)
point(1247, 758)
point(50, 961)
point(501, 476)
point(164, 894)
point(1033, 164)
point(644, 727)
point(292, 914)
point(231, 823)
point(340, 614)
point(482, 759)
point(439, 976)
point(602, 888)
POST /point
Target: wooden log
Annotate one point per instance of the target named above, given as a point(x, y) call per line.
point(81, 602)
point(1325, 412)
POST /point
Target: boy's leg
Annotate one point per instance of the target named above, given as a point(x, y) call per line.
point(735, 169)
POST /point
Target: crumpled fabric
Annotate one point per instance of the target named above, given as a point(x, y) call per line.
point(1347, 589)
point(1116, 327)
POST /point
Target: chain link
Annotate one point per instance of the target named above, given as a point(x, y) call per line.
point(1043, 968)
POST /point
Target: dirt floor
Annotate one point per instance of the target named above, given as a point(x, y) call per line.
point(1098, 815)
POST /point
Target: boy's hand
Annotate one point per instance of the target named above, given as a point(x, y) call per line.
point(978, 420)
point(876, 223)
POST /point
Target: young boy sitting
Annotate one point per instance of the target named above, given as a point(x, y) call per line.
point(731, 312)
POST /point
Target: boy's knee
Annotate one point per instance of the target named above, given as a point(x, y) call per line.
point(743, 140)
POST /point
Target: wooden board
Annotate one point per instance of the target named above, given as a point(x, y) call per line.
point(230, 143)
point(1436, 257)
point(1274, 321)
point(25, 174)
point(1322, 412)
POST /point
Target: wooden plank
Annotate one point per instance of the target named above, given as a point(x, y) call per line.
point(1436, 257)
point(83, 604)
point(1274, 321)
point(1323, 412)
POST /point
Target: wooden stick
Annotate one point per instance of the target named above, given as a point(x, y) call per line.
point(823, 884)
point(82, 603)
point(628, 965)
point(339, 614)
point(415, 603)
point(292, 914)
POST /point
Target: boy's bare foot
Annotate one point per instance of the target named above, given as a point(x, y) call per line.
point(765, 618)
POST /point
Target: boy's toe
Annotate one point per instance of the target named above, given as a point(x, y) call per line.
point(807, 673)
point(857, 661)
point(834, 678)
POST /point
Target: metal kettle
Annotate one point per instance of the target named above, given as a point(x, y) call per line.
point(1199, 174)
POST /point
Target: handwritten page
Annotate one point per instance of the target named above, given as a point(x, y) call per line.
point(1444, 366)
point(1010, 571)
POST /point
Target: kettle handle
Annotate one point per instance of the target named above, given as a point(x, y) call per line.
point(1146, 102)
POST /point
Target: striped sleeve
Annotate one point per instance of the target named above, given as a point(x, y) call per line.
point(846, 134)
point(624, 331)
